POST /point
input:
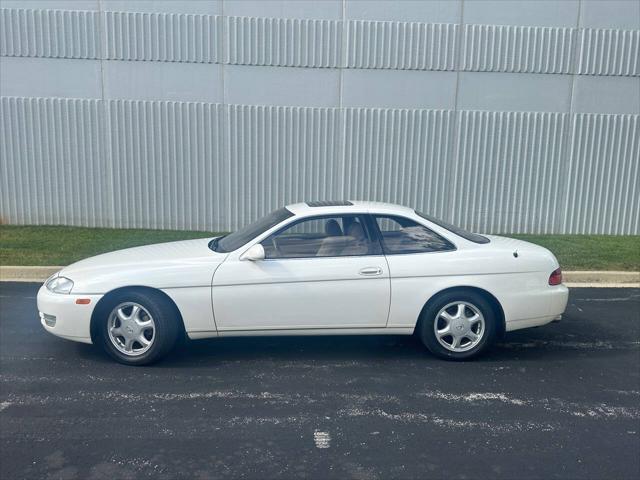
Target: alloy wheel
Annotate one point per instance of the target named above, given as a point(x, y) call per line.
point(131, 329)
point(459, 326)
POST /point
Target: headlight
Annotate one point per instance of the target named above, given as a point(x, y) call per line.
point(59, 285)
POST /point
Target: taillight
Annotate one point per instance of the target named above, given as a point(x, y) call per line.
point(556, 277)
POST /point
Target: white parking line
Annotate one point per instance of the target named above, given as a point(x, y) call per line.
point(322, 439)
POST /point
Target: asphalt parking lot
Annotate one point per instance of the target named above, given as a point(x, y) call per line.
point(561, 401)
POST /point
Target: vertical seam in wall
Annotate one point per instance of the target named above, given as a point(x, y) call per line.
point(574, 59)
point(458, 53)
point(341, 110)
point(224, 115)
point(223, 41)
point(451, 166)
point(343, 51)
point(103, 46)
point(567, 141)
point(106, 134)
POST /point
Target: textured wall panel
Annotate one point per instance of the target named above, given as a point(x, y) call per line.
point(279, 155)
point(507, 171)
point(399, 156)
point(603, 181)
point(283, 42)
point(205, 166)
point(167, 37)
point(182, 37)
point(401, 45)
point(49, 33)
point(52, 165)
point(609, 52)
point(167, 170)
point(499, 48)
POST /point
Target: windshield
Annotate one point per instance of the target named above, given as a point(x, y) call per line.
point(235, 240)
point(472, 237)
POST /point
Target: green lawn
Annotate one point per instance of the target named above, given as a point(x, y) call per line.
point(64, 245)
point(21, 245)
point(591, 252)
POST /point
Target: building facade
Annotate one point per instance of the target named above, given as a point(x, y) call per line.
point(500, 116)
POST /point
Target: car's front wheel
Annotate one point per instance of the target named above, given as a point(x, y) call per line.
point(138, 328)
point(458, 325)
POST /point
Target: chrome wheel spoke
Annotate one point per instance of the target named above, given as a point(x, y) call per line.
point(473, 337)
point(128, 343)
point(121, 315)
point(445, 315)
point(444, 331)
point(473, 319)
point(135, 312)
point(143, 324)
point(142, 340)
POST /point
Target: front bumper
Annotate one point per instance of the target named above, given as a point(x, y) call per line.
point(62, 316)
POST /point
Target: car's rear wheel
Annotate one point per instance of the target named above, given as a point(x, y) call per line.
point(138, 328)
point(458, 325)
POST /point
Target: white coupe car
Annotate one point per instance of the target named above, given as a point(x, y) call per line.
point(315, 268)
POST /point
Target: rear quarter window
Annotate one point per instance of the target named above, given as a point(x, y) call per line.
point(461, 232)
point(401, 235)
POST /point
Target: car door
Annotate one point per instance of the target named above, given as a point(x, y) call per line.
point(323, 272)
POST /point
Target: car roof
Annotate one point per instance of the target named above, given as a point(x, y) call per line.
point(356, 206)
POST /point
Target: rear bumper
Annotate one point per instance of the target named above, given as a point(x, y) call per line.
point(61, 316)
point(557, 303)
point(558, 300)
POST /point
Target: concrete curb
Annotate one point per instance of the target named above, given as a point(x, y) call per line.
point(26, 274)
point(607, 279)
point(601, 279)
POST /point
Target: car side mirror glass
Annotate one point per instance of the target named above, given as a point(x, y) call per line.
point(254, 254)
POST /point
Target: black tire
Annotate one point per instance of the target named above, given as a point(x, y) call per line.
point(428, 318)
point(165, 317)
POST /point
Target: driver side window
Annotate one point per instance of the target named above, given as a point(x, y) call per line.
point(327, 236)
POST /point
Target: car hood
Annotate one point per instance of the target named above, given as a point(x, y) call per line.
point(164, 265)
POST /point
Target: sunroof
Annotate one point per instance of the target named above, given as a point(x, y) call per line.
point(330, 203)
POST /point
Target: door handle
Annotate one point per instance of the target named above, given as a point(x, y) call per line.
point(371, 271)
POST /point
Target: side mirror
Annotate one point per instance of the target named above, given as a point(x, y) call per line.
point(254, 254)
